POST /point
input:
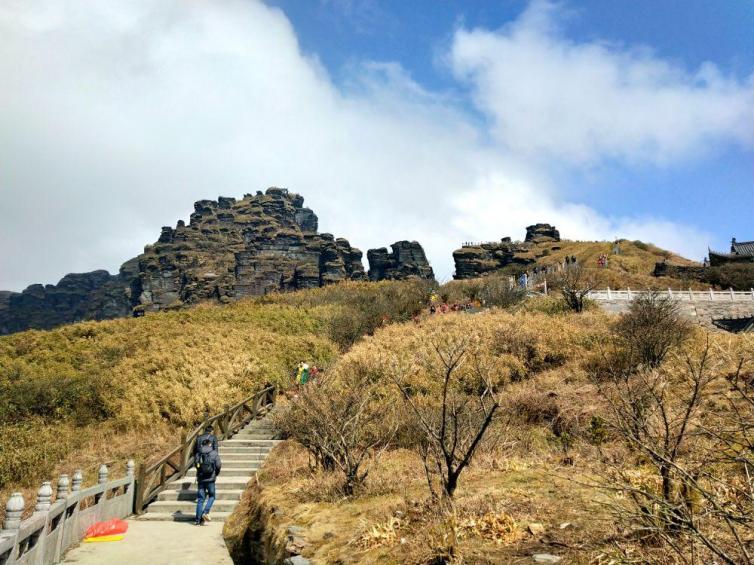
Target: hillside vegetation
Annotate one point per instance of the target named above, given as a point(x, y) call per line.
point(107, 391)
point(576, 462)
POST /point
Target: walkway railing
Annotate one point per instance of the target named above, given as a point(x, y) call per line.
point(44, 537)
point(682, 295)
point(152, 479)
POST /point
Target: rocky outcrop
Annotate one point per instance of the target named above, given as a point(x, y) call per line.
point(97, 295)
point(683, 272)
point(229, 249)
point(406, 261)
point(540, 233)
point(476, 259)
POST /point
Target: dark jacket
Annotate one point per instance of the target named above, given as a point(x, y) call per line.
point(216, 464)
point(201, 438)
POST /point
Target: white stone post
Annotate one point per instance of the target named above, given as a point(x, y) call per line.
point(44, 497)
point(628, 292)
point(711, 297)
point(62, 492)
point(609, 296)
point(691, 295)
point(14, 509)
point(752, 293)
point(78, 478)
point(102, 474)
point(130, 466)
point(670, 292)
point(731, 293)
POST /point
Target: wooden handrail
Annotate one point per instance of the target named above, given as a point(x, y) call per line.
point(152, 479)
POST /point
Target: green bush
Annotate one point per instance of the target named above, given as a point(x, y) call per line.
point(738, 276)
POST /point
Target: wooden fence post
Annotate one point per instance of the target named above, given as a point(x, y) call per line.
point(139, 495)
point(185, 450)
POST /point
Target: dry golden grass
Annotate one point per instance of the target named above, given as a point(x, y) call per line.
point(539, 464)
point(105, 391)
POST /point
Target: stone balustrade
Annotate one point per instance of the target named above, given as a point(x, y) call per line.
point(681, 295)
point(701, 306)
point(55, 526)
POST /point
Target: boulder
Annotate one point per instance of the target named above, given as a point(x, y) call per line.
point(406, 261)
point(539, 233)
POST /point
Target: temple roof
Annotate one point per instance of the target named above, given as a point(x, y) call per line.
point(736, 325)
point(742, 248)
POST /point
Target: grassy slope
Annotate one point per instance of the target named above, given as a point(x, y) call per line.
point(524, 478)
point(632, 268)
point(106, 391)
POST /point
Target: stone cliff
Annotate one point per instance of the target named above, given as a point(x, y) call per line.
point(229, 249)
point(407, 260)
point(476, 259)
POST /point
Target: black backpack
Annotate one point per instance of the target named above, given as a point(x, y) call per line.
point(205, 465)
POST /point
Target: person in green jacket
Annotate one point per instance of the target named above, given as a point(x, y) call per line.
point(304, 374)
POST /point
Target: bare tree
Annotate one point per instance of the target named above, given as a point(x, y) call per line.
point(452, 421)
point(574, 283)
point(344, 424)
point(652, 327)
point(683, 500)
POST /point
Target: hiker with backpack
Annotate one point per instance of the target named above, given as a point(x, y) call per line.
point(209, 434)
point(208, 467)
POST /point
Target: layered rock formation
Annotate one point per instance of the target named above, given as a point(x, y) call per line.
point(407, 260)
point(540, 233)
point(260, 244)
point(229, 249)
point(97, 295)
point(477, 259)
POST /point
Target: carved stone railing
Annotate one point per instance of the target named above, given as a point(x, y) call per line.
point(681, 295)
point(153, 479)
point(44, 537)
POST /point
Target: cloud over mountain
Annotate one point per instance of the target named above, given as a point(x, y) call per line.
point(115, 116)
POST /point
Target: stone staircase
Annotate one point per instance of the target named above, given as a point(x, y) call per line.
point(241, 456)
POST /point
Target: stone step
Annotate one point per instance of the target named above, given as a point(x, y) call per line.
point(221, 482)
point(253, 435)
point(241, 463)
point(242, 456)
point(241, 449)
point(190, 494)
point(180, 517)
point(188, 507)
point(238, 472)
point(267, 443)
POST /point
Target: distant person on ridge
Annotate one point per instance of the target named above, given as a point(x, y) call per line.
point(208, 434)
point(208, 467)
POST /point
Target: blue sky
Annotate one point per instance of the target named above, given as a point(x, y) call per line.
point(438, 121)
point(714, 191)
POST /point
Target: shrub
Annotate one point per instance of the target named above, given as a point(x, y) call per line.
point(652, 327)
point(738, 276)
point(345, 425)
point(498, 291)
point(574, 284)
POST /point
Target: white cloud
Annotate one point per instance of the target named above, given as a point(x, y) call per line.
point(115, 116)
point(550, 97)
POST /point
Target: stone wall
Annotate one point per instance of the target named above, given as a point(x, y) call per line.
point(701, 311)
